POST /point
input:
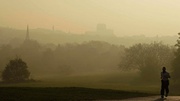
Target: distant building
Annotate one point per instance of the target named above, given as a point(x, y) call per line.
point(53, 28)
point(30, 44)
point(27, 34)
point(101, 27)
point(102, 30)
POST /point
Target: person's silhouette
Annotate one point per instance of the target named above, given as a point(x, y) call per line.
point(164, 82)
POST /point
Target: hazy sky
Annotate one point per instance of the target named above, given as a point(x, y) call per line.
point(125, 17)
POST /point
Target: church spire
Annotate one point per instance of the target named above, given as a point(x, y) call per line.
point(27, 33)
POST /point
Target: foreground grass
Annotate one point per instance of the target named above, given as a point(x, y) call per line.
point(63, 94)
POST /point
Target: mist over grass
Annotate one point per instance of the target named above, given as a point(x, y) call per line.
point(126, 81)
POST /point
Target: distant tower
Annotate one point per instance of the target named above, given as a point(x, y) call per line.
point(53, 28)
point(27, 34)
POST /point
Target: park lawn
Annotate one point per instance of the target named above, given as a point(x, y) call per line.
point(77, 87)
point(64, 94)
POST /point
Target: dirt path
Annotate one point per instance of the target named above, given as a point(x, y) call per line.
point(154, 98)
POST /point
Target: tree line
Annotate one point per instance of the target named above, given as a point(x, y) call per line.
point(95, 56)
point(64, 59)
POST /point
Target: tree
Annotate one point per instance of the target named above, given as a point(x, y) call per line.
point(148, 59)
point(175, 63)
point(15, 71)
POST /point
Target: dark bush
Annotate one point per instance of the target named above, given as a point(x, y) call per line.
point(16, 71)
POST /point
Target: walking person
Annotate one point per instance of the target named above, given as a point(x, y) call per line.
point(164, 82)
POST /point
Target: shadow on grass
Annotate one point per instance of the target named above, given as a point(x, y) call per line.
point(63, 94)
point(160, 99)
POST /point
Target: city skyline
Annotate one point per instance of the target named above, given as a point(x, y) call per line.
point(124, 17)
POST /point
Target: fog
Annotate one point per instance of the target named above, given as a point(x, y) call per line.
point(125, 17)
point(116, 44)
point(97, 59)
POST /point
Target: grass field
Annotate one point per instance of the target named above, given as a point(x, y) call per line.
point(116, 81)
point(63, 94)
point(112, 86)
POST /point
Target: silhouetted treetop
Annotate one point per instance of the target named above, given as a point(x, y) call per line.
point(15, 71)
